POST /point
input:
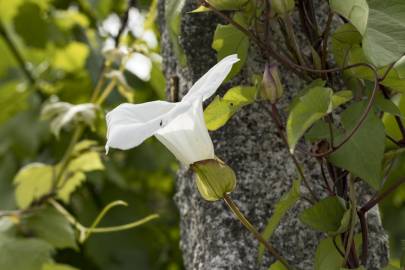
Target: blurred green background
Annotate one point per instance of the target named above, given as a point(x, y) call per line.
point(62, 44)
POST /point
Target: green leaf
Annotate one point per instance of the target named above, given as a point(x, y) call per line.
point(297, 97)
point(51, 226)
point(32, 181)
point(319, 131)
point(327, 257)
point(71, 183)
point(362, 155)
point(241, 95)
point(399, 67)
point(83, 146)
point(173, 14)
point(13, 99)
point(325, 216)
point(390, 124)
point(8, 61)
point(346, 48)
point(312, 106)
point(387, 105)
point(223, 5)
point(230, 40)
point(36, 35)
point(391, 267)
point(67, 19)
point(341, 97)
point(354, 10)
point(221, 110)
point(86, 162)
point(57, 266)
point(23, 254)
point(74, 175)
point(71, 58)
point(277, 266)
point(8, 9)
point(382, 25)
point(384, 39)
point(280, 209)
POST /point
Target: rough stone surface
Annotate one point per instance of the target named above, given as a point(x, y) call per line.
point(211, 238)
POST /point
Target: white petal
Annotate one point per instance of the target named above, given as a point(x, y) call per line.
point(129, 125)
point(111, 25)
point(206, 86)
point(150, 38)
point(139, 65)
point(136, 22)
point(187, 137)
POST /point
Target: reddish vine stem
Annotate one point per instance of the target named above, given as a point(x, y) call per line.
point(380, 196)
point(325, 179)
point(363, 116)
point(296, 67)
point(365, 208)
point(275, 115)
point(364, 237)
point(325, 35)
point(265, 48)
point(390, 67)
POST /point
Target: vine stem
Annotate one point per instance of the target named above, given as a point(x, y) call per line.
point(78, 132)
point(245, 222)
point(290, 35)
point(109, 88)
point(297, 69)
point(365, 208)
point(275, 115)
point(17, 54)
point(85, 232)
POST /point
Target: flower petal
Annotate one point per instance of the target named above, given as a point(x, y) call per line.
point(206, 86)
point(187, 136)
point(129, 125)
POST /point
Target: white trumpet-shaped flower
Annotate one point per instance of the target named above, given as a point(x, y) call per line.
point(179, 126)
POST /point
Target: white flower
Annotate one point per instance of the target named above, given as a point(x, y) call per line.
point(62, 114)
point(179, 126)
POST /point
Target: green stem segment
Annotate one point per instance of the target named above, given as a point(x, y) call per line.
point(234, 208)
point(85, 232)
point(78, 132)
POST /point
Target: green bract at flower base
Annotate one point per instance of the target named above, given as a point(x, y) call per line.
point(214, 178)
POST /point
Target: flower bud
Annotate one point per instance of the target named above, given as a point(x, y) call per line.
point(272, 88)
point(282, 7)
point(214, 178)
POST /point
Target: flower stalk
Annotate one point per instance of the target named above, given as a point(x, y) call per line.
point(245, 222)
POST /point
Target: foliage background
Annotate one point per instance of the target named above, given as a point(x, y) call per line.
point(62, 46)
